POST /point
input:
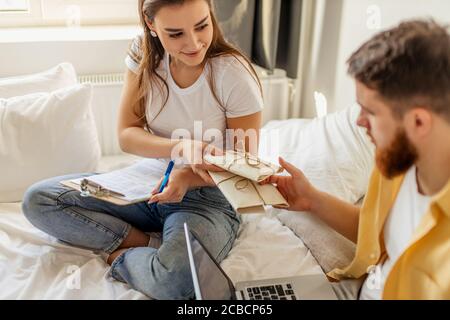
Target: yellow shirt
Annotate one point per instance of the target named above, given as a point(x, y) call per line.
point(423, 270)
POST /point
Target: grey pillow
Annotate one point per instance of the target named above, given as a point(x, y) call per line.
point(331, 249)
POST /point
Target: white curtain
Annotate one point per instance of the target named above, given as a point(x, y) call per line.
point(318, 56)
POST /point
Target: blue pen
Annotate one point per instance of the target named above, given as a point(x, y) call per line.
point(166, 178)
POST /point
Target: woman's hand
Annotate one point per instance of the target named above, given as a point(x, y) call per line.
point(296, 189)
point(179, 183)
point(193, 152)
point(174, 192)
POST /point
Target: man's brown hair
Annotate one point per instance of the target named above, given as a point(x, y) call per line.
point(409, 66)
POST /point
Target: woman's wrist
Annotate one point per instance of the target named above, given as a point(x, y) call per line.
point(194, 181)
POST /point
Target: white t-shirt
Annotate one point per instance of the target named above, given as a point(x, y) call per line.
point(405, 216)
point(194, 111)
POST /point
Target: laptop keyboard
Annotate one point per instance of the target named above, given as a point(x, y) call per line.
point(272, 292)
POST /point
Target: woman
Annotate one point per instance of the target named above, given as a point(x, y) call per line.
point(181, 71)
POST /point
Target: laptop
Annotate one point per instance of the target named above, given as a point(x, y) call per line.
point(212, 283)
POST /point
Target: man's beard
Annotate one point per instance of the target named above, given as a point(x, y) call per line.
point(398, 157)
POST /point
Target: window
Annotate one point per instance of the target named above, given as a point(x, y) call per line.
point(13, 5)
point(20, 13)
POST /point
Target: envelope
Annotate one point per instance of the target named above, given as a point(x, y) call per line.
point(240, 183)
point(244, 165)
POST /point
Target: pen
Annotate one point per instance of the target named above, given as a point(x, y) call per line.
point(166, 177)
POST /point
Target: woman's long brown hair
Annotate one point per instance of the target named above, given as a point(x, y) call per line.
point(152, 53)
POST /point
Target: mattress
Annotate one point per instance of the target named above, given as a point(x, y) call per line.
point(34, 265)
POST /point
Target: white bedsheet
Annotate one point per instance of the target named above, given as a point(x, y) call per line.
point(34, 265)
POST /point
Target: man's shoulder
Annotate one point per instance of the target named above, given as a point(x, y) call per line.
point(382, 189)
point(378, 180)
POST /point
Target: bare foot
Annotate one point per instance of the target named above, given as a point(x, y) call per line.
point(114, 255)
point(135, 238)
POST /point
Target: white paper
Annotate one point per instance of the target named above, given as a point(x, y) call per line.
point(134, 182)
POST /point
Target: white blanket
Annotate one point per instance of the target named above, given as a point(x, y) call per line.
point(34, 265)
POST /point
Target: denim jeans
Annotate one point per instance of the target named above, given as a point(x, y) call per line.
point(97, 225)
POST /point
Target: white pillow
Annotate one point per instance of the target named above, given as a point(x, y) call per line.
point(337, 157)
point(44, 135)
point(333, 152)
point(63, 75)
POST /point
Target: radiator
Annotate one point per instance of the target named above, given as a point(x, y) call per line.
point(107, 89)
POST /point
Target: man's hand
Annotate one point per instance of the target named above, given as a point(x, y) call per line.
point(302, 196)
point(296, 188)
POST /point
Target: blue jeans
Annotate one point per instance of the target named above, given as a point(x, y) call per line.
point(97, 225)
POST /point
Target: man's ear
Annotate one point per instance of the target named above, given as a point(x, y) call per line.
point(418, 122)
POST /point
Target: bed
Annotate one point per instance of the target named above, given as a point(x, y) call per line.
point(33, 265)
point(334, 154)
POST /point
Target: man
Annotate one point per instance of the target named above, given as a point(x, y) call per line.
point(402, 230)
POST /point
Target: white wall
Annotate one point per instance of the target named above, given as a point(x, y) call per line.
point(102, 50)
point(25, 58)
point(357, 22)
point(92, 50)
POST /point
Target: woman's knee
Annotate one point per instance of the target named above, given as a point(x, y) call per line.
point(36, 202)
point(157, 275)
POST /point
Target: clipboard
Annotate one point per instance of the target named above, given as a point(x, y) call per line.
point(124, 186)
point(111, 198)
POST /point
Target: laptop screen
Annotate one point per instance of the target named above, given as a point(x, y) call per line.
point(212, 282)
